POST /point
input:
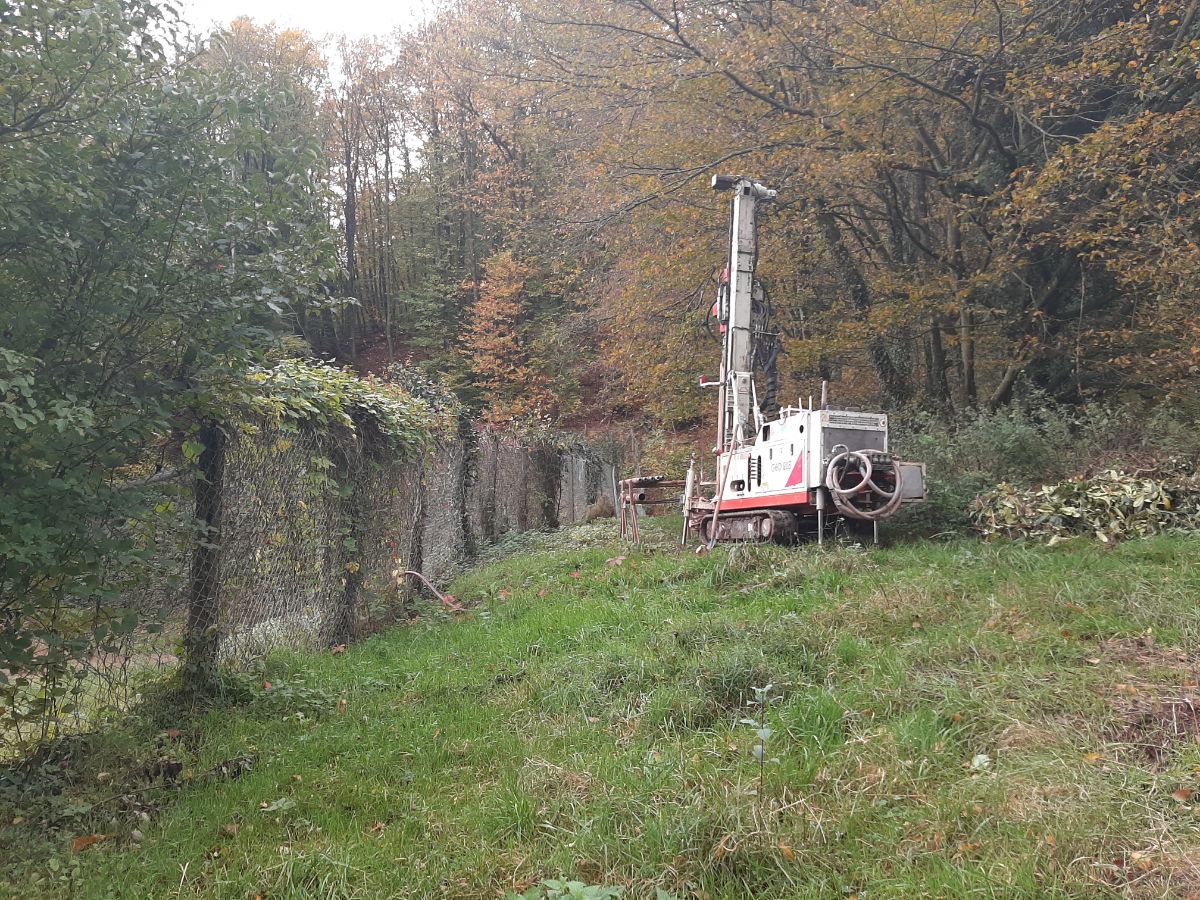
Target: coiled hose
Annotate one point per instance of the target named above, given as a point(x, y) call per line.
point(843, 496)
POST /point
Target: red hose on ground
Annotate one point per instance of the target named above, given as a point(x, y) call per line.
point(447, 600)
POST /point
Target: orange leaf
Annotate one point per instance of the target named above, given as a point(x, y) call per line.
point(85, 841)
point(788, 853)
point(722, 848)
point(1183, 795)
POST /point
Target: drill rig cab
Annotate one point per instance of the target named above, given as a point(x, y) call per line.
point(779, 473)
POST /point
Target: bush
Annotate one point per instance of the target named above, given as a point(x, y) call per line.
point(664, 453)
point(1032, 442)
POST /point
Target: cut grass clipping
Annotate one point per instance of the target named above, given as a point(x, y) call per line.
point(942, 720)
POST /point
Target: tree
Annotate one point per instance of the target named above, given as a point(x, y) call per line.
point(143, 262)
point(497, 343)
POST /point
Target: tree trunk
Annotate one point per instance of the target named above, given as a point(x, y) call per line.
point(966, 346)
point(966, 317)
point(937, 382)
point(201, 631)
point(891, 379)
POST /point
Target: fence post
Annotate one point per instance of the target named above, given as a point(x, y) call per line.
point(201, 635)
point(354, 466)
point(549, 476)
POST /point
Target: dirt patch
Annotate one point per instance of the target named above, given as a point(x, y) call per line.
point(1153, 871)
point(544, 780)
point(372, 355)
point(1026, 736)
point(1155, 694)
point(1155, 728)
point(1143, 652)
point(1181, 874)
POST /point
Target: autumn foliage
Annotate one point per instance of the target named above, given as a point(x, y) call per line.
point(497, 346)
point(973, 197)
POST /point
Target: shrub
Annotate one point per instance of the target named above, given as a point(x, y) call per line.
point(1032, 442)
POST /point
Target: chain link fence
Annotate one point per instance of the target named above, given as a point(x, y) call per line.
point(299, 539)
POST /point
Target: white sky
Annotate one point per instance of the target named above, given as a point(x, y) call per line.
point(353, 18)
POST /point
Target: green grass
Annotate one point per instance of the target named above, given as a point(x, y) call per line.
point(585, 721)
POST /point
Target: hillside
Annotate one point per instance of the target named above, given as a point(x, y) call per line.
point(1004, 720)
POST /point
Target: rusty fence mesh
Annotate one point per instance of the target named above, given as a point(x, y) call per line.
point(315, 533)
point(284, 522)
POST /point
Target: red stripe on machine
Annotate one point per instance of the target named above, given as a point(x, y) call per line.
point(796, 498)
point(797, 472)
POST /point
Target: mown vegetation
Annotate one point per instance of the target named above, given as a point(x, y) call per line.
point(945, 719)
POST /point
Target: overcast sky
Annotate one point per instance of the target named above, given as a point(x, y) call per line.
point(354, 18)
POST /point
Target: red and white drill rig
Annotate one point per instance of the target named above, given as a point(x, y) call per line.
point(802, 469)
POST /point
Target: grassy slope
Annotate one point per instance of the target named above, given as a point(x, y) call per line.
point(589, 726)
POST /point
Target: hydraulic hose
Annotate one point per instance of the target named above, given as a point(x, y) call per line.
point(843, 496)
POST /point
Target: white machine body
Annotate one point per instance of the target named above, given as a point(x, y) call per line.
point(773, 476)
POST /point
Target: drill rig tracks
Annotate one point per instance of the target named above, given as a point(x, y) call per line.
point(759, 526)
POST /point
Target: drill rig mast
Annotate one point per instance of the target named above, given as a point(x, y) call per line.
point(797, 471)
point(737, 409)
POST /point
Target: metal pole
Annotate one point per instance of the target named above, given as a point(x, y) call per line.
point(688, 488)
point(820, 516)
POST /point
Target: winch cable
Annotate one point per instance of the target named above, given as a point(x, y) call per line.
point(842, 496)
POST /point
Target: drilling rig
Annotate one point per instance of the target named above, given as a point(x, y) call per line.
point(779, 473)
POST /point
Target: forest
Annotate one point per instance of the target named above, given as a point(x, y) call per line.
point(290, 322)
point(974, 198)
point(977, 201)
